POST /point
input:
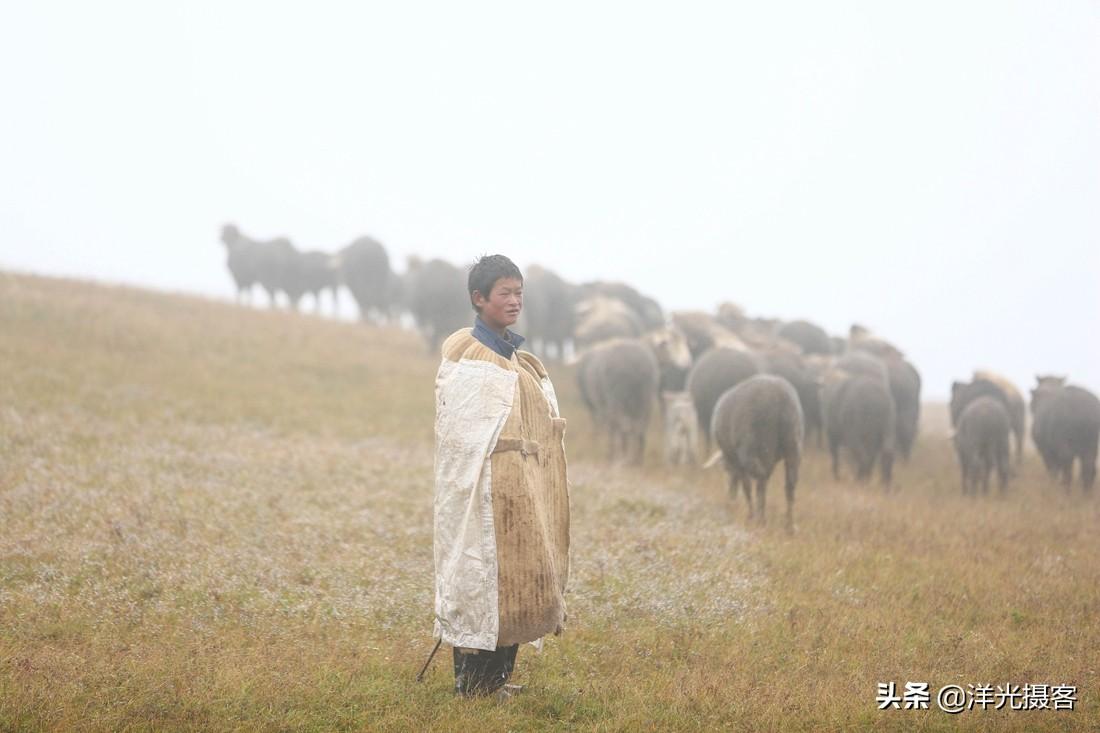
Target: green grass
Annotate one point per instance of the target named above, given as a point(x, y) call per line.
point(219, 518)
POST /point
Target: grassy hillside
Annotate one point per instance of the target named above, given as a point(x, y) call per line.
point(220, 518)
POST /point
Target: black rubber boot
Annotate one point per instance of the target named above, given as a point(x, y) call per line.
point(483, 672)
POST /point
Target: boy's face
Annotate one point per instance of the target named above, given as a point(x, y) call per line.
point(502, 307)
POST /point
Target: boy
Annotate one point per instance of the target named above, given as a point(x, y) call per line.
point(501, 493)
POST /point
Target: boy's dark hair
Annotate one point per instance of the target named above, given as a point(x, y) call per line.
point(485, 273)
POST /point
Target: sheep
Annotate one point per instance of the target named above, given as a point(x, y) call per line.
point(757, 424)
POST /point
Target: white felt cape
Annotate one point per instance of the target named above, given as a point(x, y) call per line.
point(472, 401)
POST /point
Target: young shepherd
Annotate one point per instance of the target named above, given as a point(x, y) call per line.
point(501, 494)
point(757, 424)
point(981, 440)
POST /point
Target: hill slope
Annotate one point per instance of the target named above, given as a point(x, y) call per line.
point(217, 517)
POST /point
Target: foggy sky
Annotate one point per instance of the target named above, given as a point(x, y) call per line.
point(929, 170)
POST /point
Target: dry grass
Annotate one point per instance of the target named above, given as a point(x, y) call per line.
point(219, 518)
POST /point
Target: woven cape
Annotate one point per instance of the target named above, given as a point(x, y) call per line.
point(501, 509)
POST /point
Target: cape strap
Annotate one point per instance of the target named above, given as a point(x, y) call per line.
point(524, 446)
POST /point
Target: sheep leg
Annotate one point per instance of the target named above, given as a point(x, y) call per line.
point(746, 486)
point(1088, 468)
point(790, 467)
point(604, 429)
point(1003, 467)
point(734, 479)
point(834, 450)
point(887, 466)
point(1047, 462)
point(864, 465)
point(761, 489)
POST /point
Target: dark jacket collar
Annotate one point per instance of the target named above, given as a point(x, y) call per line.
point(504, 347)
